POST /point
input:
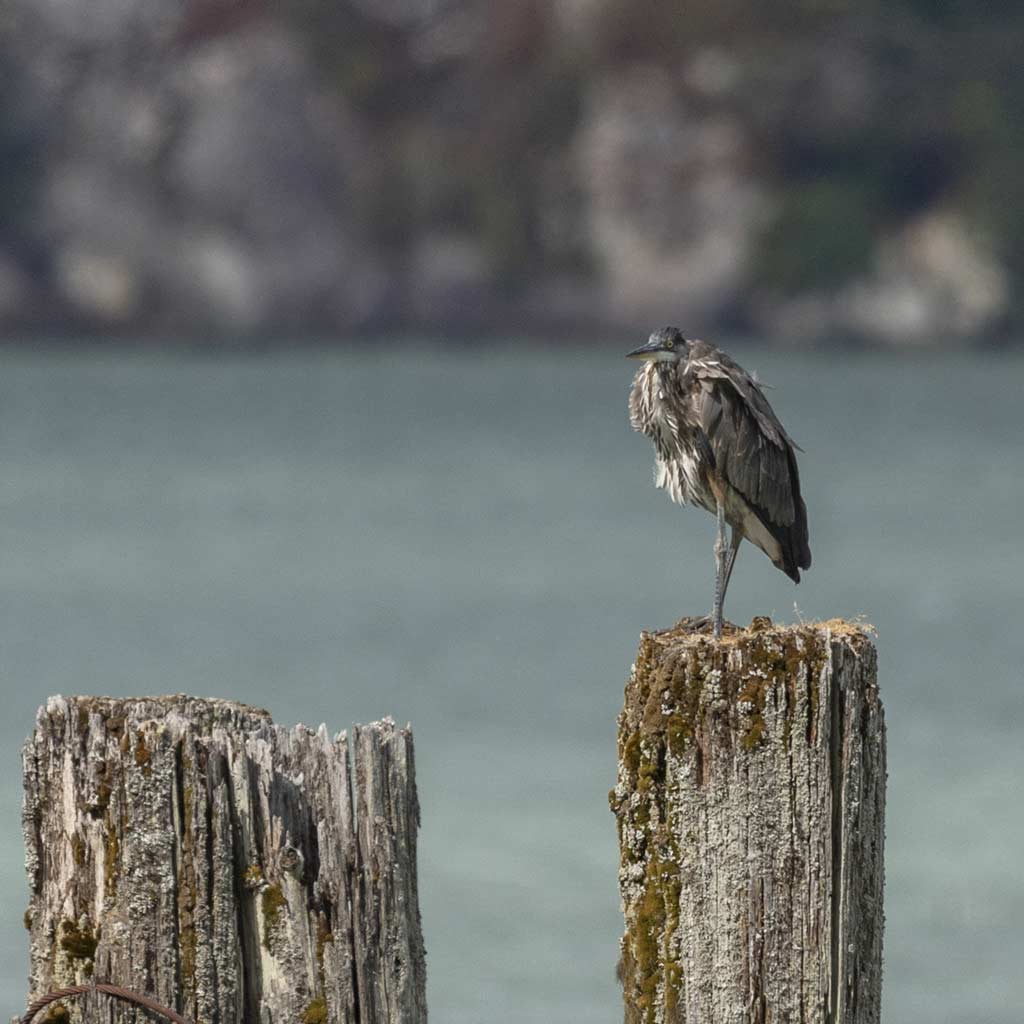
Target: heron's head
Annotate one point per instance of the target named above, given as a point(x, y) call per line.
point(663, 346)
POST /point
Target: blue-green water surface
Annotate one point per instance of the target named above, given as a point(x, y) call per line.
point(470, 541)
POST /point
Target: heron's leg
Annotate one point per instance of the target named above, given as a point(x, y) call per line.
point(720, 575)
point(735, 540)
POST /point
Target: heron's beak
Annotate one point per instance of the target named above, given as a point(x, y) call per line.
point(652, 350)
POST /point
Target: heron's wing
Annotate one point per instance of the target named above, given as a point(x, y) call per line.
point(712, 364)
point(751, 449)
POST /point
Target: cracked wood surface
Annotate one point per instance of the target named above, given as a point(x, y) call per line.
point(750, 805)
point(233, 869)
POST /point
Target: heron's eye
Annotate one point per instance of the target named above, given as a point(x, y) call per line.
point(669, 343)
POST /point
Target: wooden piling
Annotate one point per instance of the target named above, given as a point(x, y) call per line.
point(234, 870)
point(750, 805)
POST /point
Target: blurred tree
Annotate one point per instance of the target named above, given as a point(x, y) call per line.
point(794, 138)
point(823, 235)
point(19, 154)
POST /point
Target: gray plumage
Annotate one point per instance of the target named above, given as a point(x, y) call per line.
point(718, 444)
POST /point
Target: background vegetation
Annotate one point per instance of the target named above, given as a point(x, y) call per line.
point(459, 174)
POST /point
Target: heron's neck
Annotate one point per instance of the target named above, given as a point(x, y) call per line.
point(664, 373)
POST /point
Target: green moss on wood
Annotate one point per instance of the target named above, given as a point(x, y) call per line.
point(104, 790)
point(253, 876)
point(86, 707)
point(630, 753)
point(754, 733)
point(114, 826)
point(111, 855)
point(315, 1012)
point(273, 902)
point(113, 829)
point(678, 731)
point(55, 1014)
point(143, 755)
point(323, 936)
point(188, 896)
point(78, 942)
point(751, 702)
point(651, 770)
point(653, 972)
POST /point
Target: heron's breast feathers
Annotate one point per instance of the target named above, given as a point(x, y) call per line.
point(657, 408)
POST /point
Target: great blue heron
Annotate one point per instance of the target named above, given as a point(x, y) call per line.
point(718, 444)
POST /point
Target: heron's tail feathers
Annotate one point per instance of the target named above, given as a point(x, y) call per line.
point(796, 550)
point(793, 541)
point(796, 553)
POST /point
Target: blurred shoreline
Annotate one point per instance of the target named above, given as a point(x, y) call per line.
point(195, 169)
point(611, 342)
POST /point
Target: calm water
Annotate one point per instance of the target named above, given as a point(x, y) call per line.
point(472, 543)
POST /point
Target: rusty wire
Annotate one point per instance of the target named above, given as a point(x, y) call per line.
point(105, 987)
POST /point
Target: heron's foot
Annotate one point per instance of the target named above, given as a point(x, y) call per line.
point(703, 624)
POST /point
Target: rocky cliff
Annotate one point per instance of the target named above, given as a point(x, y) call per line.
point(231, 166)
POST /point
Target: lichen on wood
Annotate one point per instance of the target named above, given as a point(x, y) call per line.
point(236, 870)
point(750, 803)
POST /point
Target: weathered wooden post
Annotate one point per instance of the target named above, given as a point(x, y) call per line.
point(235, 870)
point(750, 804)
